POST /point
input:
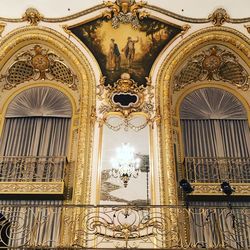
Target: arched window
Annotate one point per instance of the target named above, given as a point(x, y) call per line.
point(216, 136)
point(214, 123)
point(36, 124)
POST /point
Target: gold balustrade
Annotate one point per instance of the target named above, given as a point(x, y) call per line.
point(32, 174)
point(108, 227)
point(217, 169)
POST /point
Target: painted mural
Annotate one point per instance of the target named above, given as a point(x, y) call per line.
point(125, 49)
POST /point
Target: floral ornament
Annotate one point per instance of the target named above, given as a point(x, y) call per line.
point(125, 11)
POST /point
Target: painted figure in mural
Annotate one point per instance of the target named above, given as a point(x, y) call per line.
point(129, 50)
point(114, 56)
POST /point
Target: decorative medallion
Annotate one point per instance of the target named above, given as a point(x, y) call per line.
point(38, 64)
point(125, 11)
point(212, 64)
point(125, 50)
point(32, 16)
point(125, 98)
point(219, 17)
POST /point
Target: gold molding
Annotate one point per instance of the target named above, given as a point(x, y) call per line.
point(241, 189)
point(223, 35)
point(32, 188)
point(2, 27)
point(19, 38)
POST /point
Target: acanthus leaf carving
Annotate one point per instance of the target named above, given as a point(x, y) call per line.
point(218, 17)
point(38, 64)
point(125, 11)
point(212, 64)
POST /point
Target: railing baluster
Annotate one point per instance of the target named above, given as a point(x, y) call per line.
point(217, 169)
point(32, 168)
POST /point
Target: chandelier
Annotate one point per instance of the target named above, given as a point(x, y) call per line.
point(125, 164)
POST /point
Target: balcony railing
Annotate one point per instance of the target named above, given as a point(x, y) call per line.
point(32, 168)
point(107, 227)
point(217, 170)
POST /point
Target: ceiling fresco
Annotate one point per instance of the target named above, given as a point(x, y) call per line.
point(125, 49)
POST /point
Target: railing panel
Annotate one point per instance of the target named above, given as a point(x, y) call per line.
point(217, 170)
point(47, 227)
point(32, 169)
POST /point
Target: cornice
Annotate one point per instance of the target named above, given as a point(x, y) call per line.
point(149, 7)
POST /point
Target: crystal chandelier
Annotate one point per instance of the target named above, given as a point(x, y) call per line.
point(125, 164)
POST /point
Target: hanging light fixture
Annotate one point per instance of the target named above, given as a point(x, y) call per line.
point(125, 164)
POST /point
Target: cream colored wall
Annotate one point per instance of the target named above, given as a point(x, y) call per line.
point(191, 8)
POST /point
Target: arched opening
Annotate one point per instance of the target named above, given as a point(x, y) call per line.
point(34, 140)
point(215, 136)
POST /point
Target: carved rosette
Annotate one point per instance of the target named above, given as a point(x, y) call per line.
point(125, 11)
point(212, 64)
point(38, 64)
point(32, 16)
point(219, 17)
point(125, 98)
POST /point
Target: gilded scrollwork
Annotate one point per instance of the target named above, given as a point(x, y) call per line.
point(125, 98)
point(213, 64)
point(38, 64)
point(125, 11)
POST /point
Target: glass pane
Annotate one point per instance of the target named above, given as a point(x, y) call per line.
point(136, 134)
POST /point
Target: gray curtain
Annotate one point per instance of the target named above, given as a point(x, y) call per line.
point(215, 138)
point(35, 136)
point(214, 123)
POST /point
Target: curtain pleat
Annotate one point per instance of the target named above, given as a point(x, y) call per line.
point(34, 136)
point(215, 138)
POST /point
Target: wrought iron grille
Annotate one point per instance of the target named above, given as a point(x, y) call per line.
point(80, 227)
point(32, 168)
point(216, 170)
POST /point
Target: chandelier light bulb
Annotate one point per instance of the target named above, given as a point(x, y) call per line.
point(125, 165)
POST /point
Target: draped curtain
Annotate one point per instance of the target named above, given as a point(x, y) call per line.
point(37, 123)
point(35, 136)
point(216, 138)
point(214, 123)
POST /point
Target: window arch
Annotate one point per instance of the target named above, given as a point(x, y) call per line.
point(214, 124)
point(37, 123)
